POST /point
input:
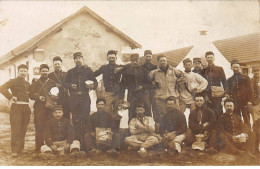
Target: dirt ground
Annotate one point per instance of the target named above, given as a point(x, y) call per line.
point(188, 157)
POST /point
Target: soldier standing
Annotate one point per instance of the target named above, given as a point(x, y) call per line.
point(76, 81)
point(58, 76)
point(20, 110)
point(39, 91)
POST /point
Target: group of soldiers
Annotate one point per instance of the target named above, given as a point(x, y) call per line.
point(157, 98)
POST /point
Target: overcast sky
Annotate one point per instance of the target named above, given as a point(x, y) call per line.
point(156, 25)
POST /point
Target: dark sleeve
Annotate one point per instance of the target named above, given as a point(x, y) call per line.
point(112, 123)
point(212, 120)
point(93, 78)
point(67, 79)
point(223, 77)
point(250, 89)
point(228, 86)
point(4, 90)
point(89, 127)
point(162, 128)
point(192, 123)
point(220, 126)
point(33, 93)
point(47, 133)
point(147, 80)
point(182, 126)
point(123, 85)
point(70, 132)
point(99, 71)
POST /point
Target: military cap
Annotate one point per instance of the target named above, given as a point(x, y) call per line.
point(44, 66)
point(186, 61)
point(140, 105)
point(57, 58)
point(170, 98)
point(209, 53)
point(196, 60)
point(77, 54)
point(57, 107)
point(22, 66)
point(235, 61)
point(146, 52)
point(160, 56)
point(256, 67)
point(134, 56)
point(111, 52)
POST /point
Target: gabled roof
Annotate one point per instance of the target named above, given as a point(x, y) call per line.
point(174, 57)
point(32, 43)
point(244, 48)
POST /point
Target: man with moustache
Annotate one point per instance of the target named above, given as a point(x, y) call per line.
point(239, 89)
point(136, 79)
point(148, 58)
point(111, 80)
point(75, 81)
point(215, 76)
point(39, 90)
point(58, 76)
point(20, 110)
point(197, 66)
point(230, 128)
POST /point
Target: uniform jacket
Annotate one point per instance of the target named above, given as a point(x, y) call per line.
point(149, 66)
point(196, 123)
point(58, 130)
point(256, 90)
point(239, 89)
point(110, 78)
point(174, 120)
point(19, 88)
point(135, 129)
point(215, 76)
point(78, 76)
point(167, 83)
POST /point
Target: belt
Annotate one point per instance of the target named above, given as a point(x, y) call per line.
point(79, 93)
point(20, 102)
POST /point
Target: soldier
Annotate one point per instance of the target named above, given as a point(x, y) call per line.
point(215, 76)
point(58, 76)
point(39, 92)
point(111, 81)
point(136, 79)
point(239, 89)
point(20, 110)
point(148, 58)
point(80, 80)
point(198, 68)
point(255, 82)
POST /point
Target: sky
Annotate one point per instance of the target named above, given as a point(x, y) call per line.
point(156, 25)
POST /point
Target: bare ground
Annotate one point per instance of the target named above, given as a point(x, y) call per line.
point(187, 158)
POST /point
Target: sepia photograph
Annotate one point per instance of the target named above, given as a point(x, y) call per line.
point(130, 83)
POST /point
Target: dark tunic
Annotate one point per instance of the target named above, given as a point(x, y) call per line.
point(149, 66)
point(256, 90)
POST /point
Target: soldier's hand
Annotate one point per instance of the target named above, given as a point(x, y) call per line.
point(54, 148)
point(73, 86)
point(54, 97)
point(206, 124)
point(67, 147)
point(118, 69)
point(42, 99)
point(227, 96)
point(14, 99)
point(90, 86)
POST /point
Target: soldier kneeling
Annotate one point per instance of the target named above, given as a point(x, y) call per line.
point(59, 137)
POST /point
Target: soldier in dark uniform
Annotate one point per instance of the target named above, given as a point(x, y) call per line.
point(20, 110)
point(215, 76)
point(39, 91)
point(255, 83)
point(198, 68)
point(58, 76)
point(136, 79)
point(111, 81)
point(76, 81)
point(239, 89)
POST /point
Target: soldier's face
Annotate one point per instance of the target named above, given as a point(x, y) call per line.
point(188, 66)
point(140, 111)
point(58, 114)
point(57, 65)
point(100, 106)
point(78, 60)
point(22, 72)
point(44, 72)
point(256, 73)
point(163, 62)
point(111, 58)
point(148, 57)
point(171, 104)
point(229, 107)
point(235, 68)
point(199, 101)
point(134, 62)
point(197, 65)
point(210, 59)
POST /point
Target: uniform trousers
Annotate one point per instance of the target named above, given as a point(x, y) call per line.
point(139, 142)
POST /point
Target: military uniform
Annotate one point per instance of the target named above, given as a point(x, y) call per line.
point(40, 87)
point(19, 112)
point(133, 77)
point(215, 76)
point(79, 97)
point(58, 77)
point(239, 89)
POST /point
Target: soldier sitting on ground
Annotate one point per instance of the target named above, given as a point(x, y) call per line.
point(59, 137)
